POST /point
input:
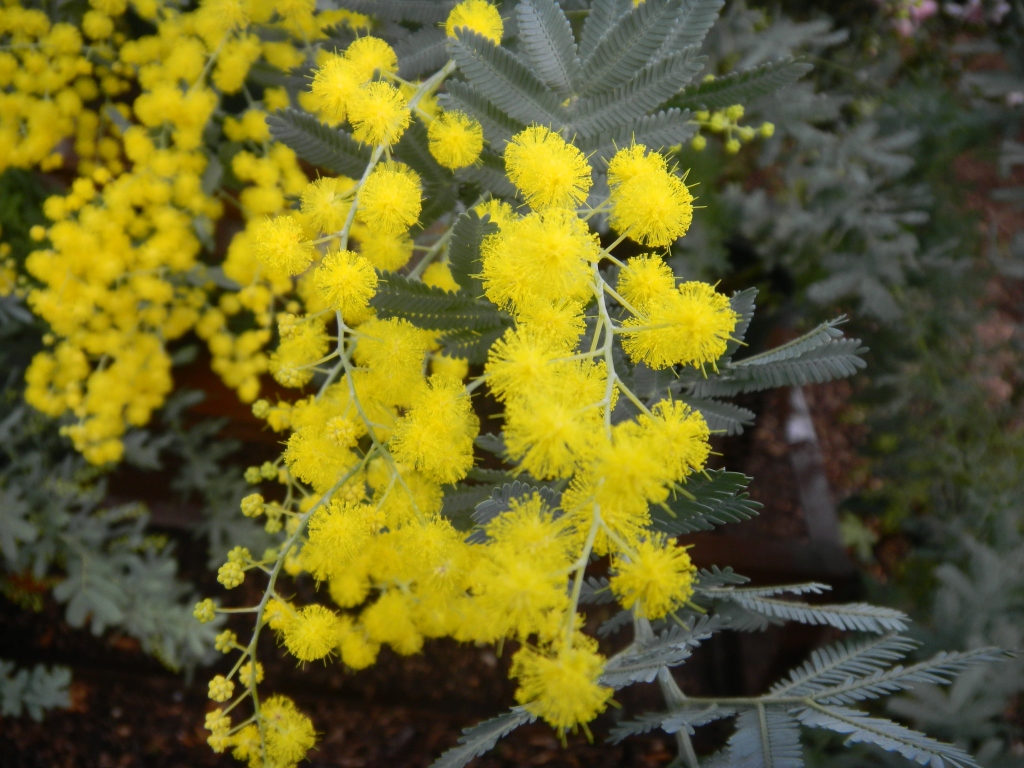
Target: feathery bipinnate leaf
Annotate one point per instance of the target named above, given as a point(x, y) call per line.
point(760, 606)
point(627, 47)
point(741, 87)
point(835, 360)
point(500, 501)
point(460, 500)
point(470, 344)
point(468, 232)
point(504, 80)
point(432, 308)
point(546, 38)
point(656, 132)
point(670, 722)
point(423, 51)
point(693, 22)
point(824, 334)
point(498, 127)
point(482, 737)
point(489, 173)
point(641, 661)
point(651, 88)
point(615, 623)
point(718, 577)
point(596, 591)
point(602, 15)
point(319, 144)
point(821, 355)
point(712, 498)
point(721, 417)
point(418, 11)
point(847, 673)
point(765, 737)
point(839, 663)
point(743, 303)
point(859, 727)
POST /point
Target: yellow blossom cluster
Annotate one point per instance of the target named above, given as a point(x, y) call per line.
point(368, 457)
point(168, 176)
point(122, 270)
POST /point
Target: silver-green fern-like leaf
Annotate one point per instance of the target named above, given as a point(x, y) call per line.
point(641, 95)
point(723, 418)
point(425, 50)
point(671, 722)
point(600, 18)
point(859, 727)
point(319, 144)
point(818, 337)
point(848, 674)
point(641, 662)
point(431, 308)
point(481, 738)
point(417, 11)
point(837, 359)
point(504, 80)
point(489, 173)
point(695, 20)
point(468, 233)
point(459, 502)
point(758, 608)
point(843, 662)
point(545, 37)
point(765, 737)
point(657, 132)
point(743, 303)
point(712, 498)
point(33, 691)
point(498, 127)
point(627, 47)
point(741, 87)
point(473, 345)
point(596, 591)
point(719, 577)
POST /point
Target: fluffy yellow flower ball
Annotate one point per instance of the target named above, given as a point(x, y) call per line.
point(379, 114)
point(390, 200)
point(325, 203)
point(562, 686)
point(281, 245)
point(657, 580)
point(312, 634)
point(477, 15)
point(645, 279)
point(549, 172)
point(289, 733)
point(455, 140)
point(346, 281)
point(436, 435)
point(650, 204)
point(369, 54)
point(334, 84)
point(688, 326)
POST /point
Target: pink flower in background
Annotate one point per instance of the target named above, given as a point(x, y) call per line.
point(922, 9)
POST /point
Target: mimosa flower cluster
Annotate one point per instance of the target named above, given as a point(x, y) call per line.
point(366, 459)
point(383, 419)
point(440, 270)
point(120, 275)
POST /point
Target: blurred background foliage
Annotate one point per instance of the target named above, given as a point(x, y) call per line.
point(891, 191)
